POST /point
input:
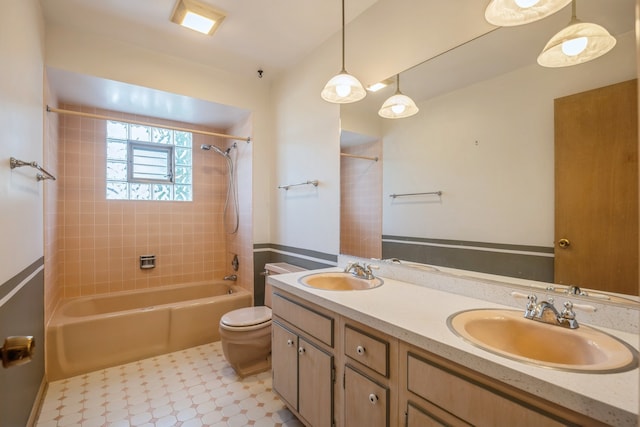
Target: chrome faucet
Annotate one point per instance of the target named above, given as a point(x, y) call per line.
point(360, 271)
point(232, 277)
point(546, 312)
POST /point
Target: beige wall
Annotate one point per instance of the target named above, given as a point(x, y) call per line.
point(21, 130)
point(101, 240)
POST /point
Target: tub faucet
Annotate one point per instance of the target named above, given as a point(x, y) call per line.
point(360, 271)
point(232, 277)
point(546, 312)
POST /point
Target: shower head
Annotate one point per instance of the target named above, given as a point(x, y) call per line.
point(208, 147)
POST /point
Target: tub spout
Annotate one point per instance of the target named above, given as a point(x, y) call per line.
point(232, 277)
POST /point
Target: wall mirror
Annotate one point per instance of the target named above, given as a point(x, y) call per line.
point(484, 137)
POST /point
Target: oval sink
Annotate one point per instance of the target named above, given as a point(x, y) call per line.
point(339, 281)
point(508, 334)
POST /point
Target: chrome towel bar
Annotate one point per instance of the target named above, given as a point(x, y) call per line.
point(437, 193)
point(286, 187)
point(15, 163)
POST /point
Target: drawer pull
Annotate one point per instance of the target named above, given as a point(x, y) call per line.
point(289, 343)
point(373, 398)
point(301, 350)
point(360, 350)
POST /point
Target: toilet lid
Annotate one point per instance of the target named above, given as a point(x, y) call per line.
point(248, 316)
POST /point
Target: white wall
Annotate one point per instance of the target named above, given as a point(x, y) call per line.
point(308, 148)
point(21, 133)
point(501, 188)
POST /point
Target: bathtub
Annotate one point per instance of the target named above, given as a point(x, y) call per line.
point(90, 333)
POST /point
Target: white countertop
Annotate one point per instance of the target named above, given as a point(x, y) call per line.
point(418, 315)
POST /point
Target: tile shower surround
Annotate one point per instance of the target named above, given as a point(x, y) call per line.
point(101, 240)
point(360, 202)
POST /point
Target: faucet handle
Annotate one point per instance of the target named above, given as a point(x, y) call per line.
point(567, 311)
point(532, 303)
point(568, 316)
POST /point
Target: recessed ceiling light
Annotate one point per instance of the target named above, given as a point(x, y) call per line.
point(380, 85)
point(197, 16)
point(376, 87)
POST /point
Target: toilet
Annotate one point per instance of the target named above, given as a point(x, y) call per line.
point(245, 333)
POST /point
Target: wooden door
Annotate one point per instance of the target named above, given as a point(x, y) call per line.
point(596, 194)
point(284, 363)
point(315, 384)
point(366, 403)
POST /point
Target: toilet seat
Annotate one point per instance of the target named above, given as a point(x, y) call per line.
point(246, 319)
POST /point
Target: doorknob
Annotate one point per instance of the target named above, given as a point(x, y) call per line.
point(564, 243)
point(17, 350)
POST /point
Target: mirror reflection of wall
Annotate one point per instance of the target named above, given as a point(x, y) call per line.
point(360, 202)
point(488, 145)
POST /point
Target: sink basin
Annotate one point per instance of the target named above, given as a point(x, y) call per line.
point(339, 281)
point(508, 334)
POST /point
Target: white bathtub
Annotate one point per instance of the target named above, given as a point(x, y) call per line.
point(90, 333)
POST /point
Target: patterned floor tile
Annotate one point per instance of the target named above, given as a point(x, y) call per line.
point(190, 388)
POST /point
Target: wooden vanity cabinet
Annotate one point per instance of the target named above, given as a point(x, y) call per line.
point(435, 391)
point(333, 371)
point(370, 376)
point(302, 360)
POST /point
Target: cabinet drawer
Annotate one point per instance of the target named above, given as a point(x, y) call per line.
point(371, 351)
point(472, 402)
point(306, 319)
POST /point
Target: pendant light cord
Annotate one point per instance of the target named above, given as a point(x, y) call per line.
point(343, 69)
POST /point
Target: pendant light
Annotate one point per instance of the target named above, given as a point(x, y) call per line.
point(508, 13)
point(398, 106)
point(577, 43)
point(343, 88)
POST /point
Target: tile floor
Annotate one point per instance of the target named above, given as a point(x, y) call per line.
point(189, 388)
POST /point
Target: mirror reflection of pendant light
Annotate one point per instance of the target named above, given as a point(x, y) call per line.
point(508, 13)
point(343, 88)
point(577, 43)
point(398, 106)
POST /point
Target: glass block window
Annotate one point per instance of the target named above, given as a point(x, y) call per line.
point(148, 163)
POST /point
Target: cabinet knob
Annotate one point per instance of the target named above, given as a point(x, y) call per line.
point(289, 343)
point(301, 350)
point(360, 350)
point(373, 398)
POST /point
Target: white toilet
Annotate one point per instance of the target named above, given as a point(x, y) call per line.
point(245, 333)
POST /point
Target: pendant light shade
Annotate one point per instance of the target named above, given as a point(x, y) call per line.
point(508, 13)
point(577, 43)
point(343, 88)
point(398, 106)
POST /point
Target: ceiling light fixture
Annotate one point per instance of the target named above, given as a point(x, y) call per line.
point(343, 88)
point(197, 16)
point(577, 43)
point(508, 13)
point(398, 106)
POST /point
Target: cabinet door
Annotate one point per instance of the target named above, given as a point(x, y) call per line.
point(366, 403)
point(315, 384)
point(284, 363)
point(432, 417)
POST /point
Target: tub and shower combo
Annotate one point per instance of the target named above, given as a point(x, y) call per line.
point(90, 333)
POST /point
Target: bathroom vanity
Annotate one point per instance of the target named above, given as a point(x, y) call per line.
point(385, 357)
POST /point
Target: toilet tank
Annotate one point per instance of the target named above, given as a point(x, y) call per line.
point(276, 268)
